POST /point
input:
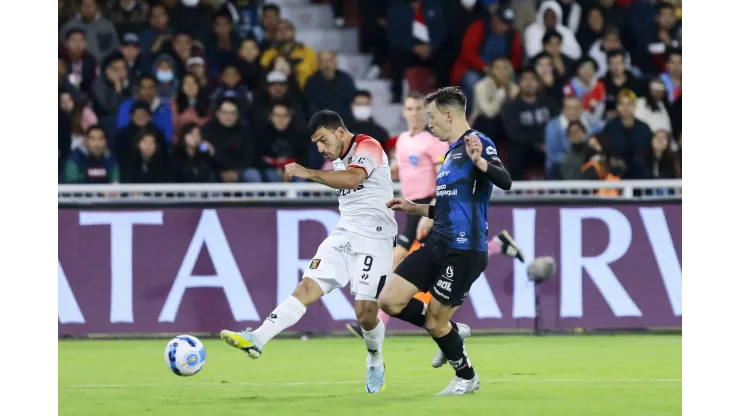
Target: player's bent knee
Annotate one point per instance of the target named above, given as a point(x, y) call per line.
point(390, 304)
point(308, 291)
point(437, 327)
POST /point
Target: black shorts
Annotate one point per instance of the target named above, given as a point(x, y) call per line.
point(407, 237)
point(446, 272)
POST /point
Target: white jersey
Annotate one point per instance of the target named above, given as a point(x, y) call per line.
point(363, 210)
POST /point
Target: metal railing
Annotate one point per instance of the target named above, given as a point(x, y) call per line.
point(305, 192)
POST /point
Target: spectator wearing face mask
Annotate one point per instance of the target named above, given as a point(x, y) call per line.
point(330, 88)
point(92, 163)
point(362, 118)
point(192, 158)
point(148, 164)
point(167, 80)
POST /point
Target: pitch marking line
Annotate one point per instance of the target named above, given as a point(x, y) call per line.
point(319, 383)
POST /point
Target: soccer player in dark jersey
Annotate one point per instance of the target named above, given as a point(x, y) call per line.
point(456, 251)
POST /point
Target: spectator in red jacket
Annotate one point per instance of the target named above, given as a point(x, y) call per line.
point(588, 88)
point(484, 41)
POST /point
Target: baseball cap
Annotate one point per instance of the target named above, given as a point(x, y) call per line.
point(130, 39)
point(506, 14)
point(276, 77)
point(195, 60)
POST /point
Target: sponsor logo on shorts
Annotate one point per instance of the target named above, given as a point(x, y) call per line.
point(440, 293)
point(444, 285)
point(450, 272)
point(363, 279)
point(345, 248)
point(314, 264)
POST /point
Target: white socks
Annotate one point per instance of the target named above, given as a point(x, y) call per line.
point(374, 343)
point(284, 316)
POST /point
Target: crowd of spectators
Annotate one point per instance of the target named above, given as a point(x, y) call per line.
point(221, 90)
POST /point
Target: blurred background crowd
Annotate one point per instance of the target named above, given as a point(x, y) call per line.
point(178, 91)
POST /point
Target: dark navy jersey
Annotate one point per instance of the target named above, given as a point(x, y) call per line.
point(463, 193)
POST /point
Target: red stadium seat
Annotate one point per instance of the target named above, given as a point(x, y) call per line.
point(421, 79)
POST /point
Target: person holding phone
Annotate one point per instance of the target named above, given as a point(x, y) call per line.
point(192, 158)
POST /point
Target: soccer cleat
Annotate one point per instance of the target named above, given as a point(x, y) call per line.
point(508, 246)
point(355, 330)
point(439, 359)
point(375, 379)
point(461, 386)
point(245, 341)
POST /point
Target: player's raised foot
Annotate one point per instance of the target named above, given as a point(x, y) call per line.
point(375, 379)
point(355, 330)
point(439, 359)
point(461, 386)
point(508, 246)
point(245, 341)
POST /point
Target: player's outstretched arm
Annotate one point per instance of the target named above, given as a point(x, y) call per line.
point(494, 169)
point(403, 204)
point(339, 179)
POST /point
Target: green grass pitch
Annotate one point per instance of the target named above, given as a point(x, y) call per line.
point(520, 375)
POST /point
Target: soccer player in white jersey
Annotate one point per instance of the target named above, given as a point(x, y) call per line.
point(358, 252)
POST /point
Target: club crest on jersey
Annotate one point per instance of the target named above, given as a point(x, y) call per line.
point(314, 264)
point(414, 160)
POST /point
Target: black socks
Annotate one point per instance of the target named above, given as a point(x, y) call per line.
point(453, 348)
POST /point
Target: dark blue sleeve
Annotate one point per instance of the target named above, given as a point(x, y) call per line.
point(490, 153)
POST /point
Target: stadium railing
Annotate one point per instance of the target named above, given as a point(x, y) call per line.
point(628, 190)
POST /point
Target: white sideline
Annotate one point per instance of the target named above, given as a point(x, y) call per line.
point(317, 383)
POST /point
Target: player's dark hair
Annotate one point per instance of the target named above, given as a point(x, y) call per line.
point(551, 33)
point(327, 119)
point(363, 93)
point(447, 97)
point(74, 30)
point(95, 127)
point(414, 95)
point(271, 6)
point(578, 124)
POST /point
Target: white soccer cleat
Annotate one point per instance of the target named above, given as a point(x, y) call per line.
point(439, 359)
point(461, 386)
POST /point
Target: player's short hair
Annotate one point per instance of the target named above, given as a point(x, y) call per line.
point(327, 119)
point(95, 127)
point(363, 93)
point(447, 97)
point(628, 94)
point(414, 95)
point(551, 33)
point(271, 6)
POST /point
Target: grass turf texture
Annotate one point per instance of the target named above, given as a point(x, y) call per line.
point(520, 375)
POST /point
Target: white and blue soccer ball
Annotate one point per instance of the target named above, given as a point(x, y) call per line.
point(185, 355)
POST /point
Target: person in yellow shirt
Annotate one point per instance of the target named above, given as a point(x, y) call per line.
point(303, 58)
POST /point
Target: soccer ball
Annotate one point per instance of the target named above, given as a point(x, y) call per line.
point(185, 355)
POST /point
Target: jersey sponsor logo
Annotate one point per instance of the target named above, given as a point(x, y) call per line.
point(444, 285)
point(440, 293)
point(315, 264)
point(490, 151)
point(461, 238)
point(414, 160)
point(446, 192)
point(360, 160)
point(345, 192)
point(443, 173)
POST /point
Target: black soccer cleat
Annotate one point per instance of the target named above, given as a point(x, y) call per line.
point(509, 247)
point(355, 330)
